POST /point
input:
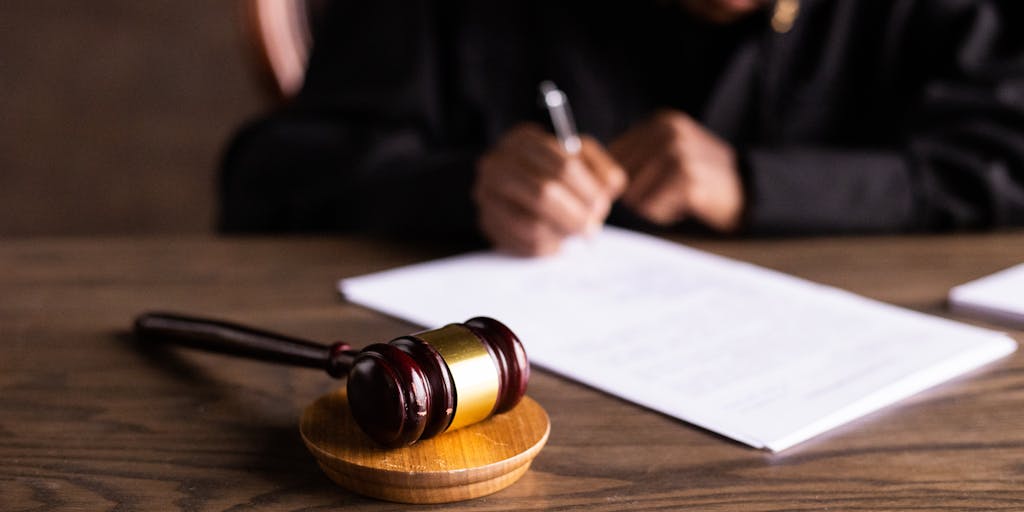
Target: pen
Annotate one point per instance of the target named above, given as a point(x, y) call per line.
point(557, 104)
point(561, 116)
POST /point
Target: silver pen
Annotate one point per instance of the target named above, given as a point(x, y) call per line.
point(557, 104)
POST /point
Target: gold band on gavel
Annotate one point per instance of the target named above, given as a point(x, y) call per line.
point(473, 372)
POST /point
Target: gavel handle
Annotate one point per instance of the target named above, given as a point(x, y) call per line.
point(238, 340)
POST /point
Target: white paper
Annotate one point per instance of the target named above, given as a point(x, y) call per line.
point(756, 355)
point(998, 297)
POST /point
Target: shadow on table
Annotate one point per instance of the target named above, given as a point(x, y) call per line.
point(271, 448)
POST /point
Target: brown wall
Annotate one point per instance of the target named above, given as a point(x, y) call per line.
point(114, 113)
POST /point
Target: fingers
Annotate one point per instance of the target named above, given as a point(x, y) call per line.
point(531, 194)
point(677, 169)
point(658, 192)
point(541, 178)
point(548, 200)
point(603, 166)
point(648, 139)
point(609, 175)
point(537, 148)
point(515, 231)
point(654, 153)
point(545, 156)
point(632, 149)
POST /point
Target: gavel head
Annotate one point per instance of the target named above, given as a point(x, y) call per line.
point(420, 385)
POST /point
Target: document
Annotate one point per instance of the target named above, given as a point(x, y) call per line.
point(998, 297)
point(762, 357)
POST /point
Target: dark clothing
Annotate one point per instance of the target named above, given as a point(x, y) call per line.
point(869, 115)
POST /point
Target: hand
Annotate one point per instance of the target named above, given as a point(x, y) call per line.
point(677, 168)
point(531, 194)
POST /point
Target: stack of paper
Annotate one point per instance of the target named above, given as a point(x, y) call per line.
point(759, 356)
point(998, 297)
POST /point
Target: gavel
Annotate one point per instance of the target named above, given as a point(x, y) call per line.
point(411, 388)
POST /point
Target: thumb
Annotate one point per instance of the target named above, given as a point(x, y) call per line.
point(605, 168)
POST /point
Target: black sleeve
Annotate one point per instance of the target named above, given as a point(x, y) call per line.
point(961, 167)
point(365, 144)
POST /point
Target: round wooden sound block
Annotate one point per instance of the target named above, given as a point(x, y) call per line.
point(466, 463)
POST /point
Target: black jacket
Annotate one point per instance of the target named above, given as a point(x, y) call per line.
point(869, 115)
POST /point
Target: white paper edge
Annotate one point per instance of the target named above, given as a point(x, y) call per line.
point(1000, 346)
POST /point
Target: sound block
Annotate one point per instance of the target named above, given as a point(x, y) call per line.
point(466, 463)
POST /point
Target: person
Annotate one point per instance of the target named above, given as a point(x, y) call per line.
point(421, 118)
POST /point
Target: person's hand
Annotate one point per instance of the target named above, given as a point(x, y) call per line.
point(677, 168)
point(531, 194)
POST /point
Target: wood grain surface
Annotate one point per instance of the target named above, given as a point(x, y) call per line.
point(90, 421)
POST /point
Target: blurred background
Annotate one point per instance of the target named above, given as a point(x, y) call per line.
point(114, 113)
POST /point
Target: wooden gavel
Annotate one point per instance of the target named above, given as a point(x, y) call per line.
point(411, 388)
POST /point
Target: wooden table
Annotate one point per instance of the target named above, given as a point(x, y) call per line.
point(91, 421)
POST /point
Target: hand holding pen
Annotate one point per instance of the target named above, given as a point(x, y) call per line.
point(534, 190)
